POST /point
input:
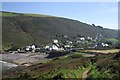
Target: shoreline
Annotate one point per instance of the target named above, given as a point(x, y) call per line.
point(7, 65)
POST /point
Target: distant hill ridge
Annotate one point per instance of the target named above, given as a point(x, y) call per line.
point(23, 29)
point(11, 14)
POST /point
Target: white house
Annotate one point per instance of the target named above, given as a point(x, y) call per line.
point(82, 38)
point(78, 41)
point(69, 42)
point(101, 45)
point(89, 38)
point(33, 47)
point(55, 41)
point(104, 45)
point(65, 36)
point(67, 46)
point(53, 46)
point(28, 48)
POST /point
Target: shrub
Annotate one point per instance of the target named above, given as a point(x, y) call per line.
point(76, 56)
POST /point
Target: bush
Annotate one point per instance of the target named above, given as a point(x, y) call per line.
point(76, 56)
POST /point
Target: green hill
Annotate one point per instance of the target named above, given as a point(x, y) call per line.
point(24, 29)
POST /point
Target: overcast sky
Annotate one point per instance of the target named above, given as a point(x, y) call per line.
point(99, 13)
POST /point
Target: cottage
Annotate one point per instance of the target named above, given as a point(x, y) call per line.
point(101, 45)
point(54, 47)
point(104, 45)
point(30, 48)
point(82, 38)
point(69, 42)
point(89, 38)
point(65, 36)
point(78, 41)
point(55, 41)
point(33, 47)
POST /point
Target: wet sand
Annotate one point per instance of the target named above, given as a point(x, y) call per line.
point(24, 58)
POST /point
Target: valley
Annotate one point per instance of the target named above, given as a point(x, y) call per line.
point(38, 46)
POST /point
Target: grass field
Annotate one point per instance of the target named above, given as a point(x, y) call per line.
point(104, 51)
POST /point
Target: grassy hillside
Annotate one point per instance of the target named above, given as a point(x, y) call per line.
point(22, 29)
point(11, 14)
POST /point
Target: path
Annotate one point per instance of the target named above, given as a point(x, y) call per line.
point(85, 74)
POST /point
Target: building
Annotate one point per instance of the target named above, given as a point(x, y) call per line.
point(30, 48)
point(101, 45)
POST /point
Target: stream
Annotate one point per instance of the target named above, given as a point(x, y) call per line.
point(6, 65)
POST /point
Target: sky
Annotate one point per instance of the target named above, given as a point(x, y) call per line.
point(104, 14)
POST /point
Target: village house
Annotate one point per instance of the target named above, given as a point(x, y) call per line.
point(54, 46)
point(65, 36)
point(78, 41)
point(82, 38)
point(55, 41)
point(101, 45)
point(30, 48)
point(69, 42)
point(89, 38)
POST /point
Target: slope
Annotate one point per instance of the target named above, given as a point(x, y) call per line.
point(23, 29)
